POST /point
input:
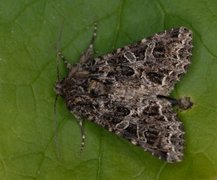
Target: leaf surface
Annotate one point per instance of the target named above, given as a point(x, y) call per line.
point(28, 35)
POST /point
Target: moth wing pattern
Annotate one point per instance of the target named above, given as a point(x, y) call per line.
point(171, 53)
point(157, 62)
point(121, 91)
point(157, 129)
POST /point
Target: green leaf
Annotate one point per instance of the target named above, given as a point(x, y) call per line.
point(28, 35)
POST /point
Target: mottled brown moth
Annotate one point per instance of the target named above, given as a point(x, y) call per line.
point(127, 91)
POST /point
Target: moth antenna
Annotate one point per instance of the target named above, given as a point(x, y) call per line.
point(55, 121)
point(59, 54)
point(83, 137)
point(89, 53)
point(57, 47)
point(91, 46)
point(55, 124)
point(94, 34)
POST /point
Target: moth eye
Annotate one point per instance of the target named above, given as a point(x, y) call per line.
point(122, 111)
point(155, 77)
point(127, 71)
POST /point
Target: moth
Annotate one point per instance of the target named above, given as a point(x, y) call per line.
point(127, 91)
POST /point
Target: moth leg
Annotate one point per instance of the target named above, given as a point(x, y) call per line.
point(88, 54)
point(63, 58)
point(83, 137)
